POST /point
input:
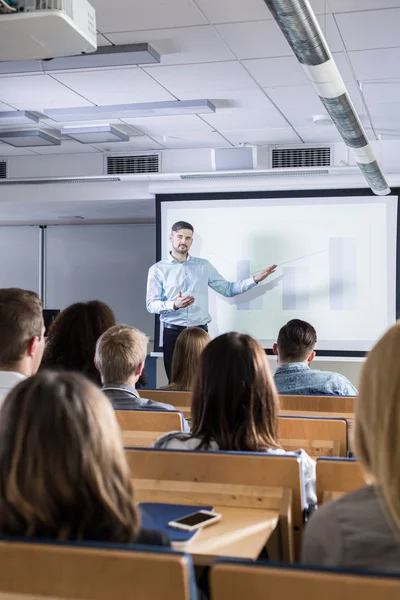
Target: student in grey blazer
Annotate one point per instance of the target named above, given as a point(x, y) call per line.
point(361, 530)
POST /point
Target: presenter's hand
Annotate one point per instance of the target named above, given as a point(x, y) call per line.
point(183, 301)
point(264, 274)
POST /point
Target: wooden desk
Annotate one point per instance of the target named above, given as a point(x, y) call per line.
point(241, 533)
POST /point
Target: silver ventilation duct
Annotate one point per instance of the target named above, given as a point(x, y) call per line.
point(299, 25)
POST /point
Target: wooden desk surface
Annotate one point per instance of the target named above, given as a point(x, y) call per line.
point(321, 415)
point(241, 533)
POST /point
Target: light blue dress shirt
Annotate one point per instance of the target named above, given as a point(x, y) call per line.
point(169, 277)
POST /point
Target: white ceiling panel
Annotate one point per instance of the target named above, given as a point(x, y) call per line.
point(6, 150)
point(339, 6)
point(287, 71)
point(115, 86)
point(264, 39)
point(320, 134)
point(135, 143)
point(233, 11)
point(375, 64)
point(102, 41)
point(381, 92)
point(67, 147)
point(151, 14)
point(194, 79)
point(385, 117)
point(160, 126)
point(194, 139)
point(260, 137)
point(180, 46)
point(370, 29)
point(5, 107)
point(37, 92)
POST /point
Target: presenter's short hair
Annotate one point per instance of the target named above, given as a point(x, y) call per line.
point(296, 340)
point(119, 352)
point(21, 319)
point(181, 225)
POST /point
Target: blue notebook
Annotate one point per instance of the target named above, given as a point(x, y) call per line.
point(158, 515)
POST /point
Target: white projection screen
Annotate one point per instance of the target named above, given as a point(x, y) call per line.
point(336, 252)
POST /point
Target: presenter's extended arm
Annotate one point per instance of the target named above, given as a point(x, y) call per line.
point(156, 302)
point(228, 288)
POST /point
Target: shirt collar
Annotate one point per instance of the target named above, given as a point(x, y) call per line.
point(121, 386)
point(295, 366)
point(10, 378)
point(171, 259)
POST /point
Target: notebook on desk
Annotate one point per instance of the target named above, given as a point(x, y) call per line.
point(156, 515)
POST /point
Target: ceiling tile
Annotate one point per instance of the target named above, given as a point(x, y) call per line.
point(5, 107)
point(284, 135)
point(102, 41)
point(264, 39)
point(320, 134)
point(374, 64)
point(385, 117)
point(67, 147)
point(338, 6)
point(370, 29)
point(136, 143)
point(7, 150)
point(195, 79)
point(151, 14)
point(115, 86)
point(195, 139)
point(381, 92)
point(233, 11)
point(180, 46)
point(160, 126)
point(37, 92)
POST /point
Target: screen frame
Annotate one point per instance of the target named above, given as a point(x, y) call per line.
point(276, 195)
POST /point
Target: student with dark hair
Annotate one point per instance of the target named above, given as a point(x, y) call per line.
point(295, 350)
point(235, 405)
point(189, 346)
point(21, 337)
point(177, 289)
point(71, 339)
point(63, 471)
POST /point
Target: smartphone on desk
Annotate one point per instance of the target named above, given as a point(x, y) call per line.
point(196, 520)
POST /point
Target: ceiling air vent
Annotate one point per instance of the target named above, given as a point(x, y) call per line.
point(289, 158)
point(3, 169)
point(133, 165)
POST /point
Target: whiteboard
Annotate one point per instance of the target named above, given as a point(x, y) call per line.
point(20, 257)
point(101, 262)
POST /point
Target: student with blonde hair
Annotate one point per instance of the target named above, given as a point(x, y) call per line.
point(188, 348)
point(235, 404)
point(362, 530)
point(120, 356)
point(63, 472)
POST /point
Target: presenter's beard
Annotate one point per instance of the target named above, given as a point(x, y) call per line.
point(182, 249)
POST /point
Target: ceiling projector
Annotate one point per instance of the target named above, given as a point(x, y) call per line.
point(41, 29)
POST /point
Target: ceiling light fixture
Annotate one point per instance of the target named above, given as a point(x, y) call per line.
point(17, 117)
point(26, 138)
point(131, 111)
point(95, 134)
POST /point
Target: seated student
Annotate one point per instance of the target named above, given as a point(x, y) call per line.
point(21, 337)
point(72, 337)
point(120, 356)
point(63, 472)
point(188, 348)
point(361, 530)
point(295, 352)
point(235, 405)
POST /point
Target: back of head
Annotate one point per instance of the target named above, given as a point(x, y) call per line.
point(21, 319)
point(72, 337)
point(296, 341)
point(377, 419)
point(188, 348)
point(119, 353)
point(63, 473)
point(234, 397)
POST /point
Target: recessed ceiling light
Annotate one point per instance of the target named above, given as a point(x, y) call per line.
point(95, 134)
point(27, 138)
point(17, 117)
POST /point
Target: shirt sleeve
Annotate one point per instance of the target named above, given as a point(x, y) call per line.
point(154, 295)
point(228, 288)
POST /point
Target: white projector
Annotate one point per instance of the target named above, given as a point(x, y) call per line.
point(48, 29)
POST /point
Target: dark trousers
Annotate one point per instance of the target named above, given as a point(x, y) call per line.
point(170, 336)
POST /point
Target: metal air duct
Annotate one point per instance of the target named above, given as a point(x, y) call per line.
point(299, 25)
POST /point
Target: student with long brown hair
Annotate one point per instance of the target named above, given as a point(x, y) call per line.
point(188, 348)
point(361, 530)
point(235, 404)
point(63, 472)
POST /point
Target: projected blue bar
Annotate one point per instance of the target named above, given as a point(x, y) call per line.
point(295, 293)
point(243, 272)
point(342, 273)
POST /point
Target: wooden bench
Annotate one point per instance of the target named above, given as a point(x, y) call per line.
point(34, 570)
point(318, 437)
point(180, 400)
point(235, 581)
point(141, 428)
point(336, 477)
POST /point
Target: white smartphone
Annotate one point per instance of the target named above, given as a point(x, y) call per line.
point(196, 520)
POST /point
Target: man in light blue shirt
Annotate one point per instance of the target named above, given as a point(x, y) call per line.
point(177, 289)
point(295, 352)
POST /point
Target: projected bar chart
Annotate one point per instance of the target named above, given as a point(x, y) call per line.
point(243, 272)
point(296, 288)
point(342, 273)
